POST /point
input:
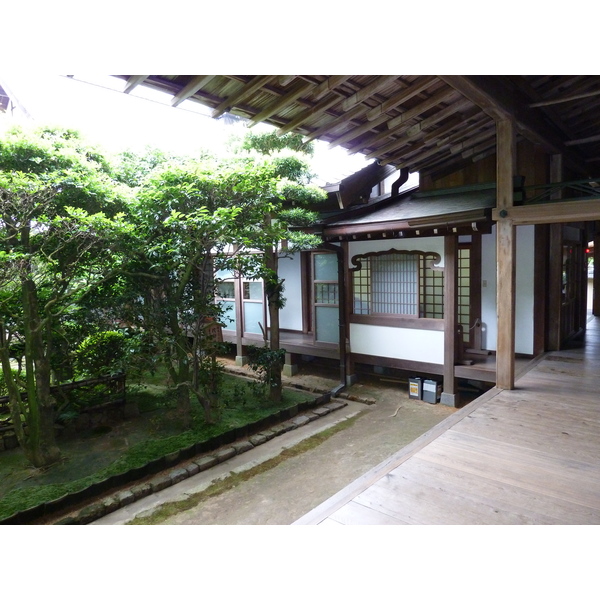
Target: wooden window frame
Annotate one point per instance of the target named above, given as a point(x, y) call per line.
point(426, 260)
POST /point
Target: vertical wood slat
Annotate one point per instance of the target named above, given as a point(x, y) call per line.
point(505, 255)
point(449, 395)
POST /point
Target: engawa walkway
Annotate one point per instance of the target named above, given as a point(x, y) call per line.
point(525, 456)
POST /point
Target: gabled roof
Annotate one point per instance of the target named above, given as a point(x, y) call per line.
point(463, 210)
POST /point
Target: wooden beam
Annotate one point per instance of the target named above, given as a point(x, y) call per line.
point(565, 99)
point(406, 94)
point(551, 212)
point(441, 96)
point(329, 85)
point(417, 129)
point(368, 91)
point(299, 88)
point(243, 94)
point(489, 93)
point(195, 84)
point(340, 123)
point(310, 113)
point(505, 256)
point(133, 81)
point(344, 121)
point(587, 140)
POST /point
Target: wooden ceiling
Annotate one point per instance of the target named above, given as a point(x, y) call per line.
point(426, 123)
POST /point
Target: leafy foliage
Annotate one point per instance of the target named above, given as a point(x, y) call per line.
point(272, 142)
point(101, 353)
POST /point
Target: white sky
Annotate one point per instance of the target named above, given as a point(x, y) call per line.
point(116, 121)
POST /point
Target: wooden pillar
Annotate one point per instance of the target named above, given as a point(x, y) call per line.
point(596, 280)
point(450, 393)
point(555, 258)
point(505, 255)
point(240, 359)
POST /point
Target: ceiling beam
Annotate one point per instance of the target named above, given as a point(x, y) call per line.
point(339, 123)
point(195, 84)
point(565, 99)
point(417, 129)
point(297, 90)
point(406, 94)
point(489, 93)
point(423, 106)
point(329, 85)
point(368, 91)
point(242, 94)
point(133, 81)
point(587, 140)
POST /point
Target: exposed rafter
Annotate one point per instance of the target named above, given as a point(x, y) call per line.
point(194, 85)
point(243, 94)
point(424, 122)
point(133, 81)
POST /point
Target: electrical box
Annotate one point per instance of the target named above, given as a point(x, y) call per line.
point(432, 391)
point(415, 388)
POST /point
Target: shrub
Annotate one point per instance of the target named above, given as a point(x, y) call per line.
point(101, 354)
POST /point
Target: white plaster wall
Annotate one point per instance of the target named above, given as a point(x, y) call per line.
point(524, 290)
point(290, 316)
point(394, 342)
point(426, 244)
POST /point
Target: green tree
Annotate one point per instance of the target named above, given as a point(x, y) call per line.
point(132, 168)
point(59, 222)
point(186, 218)
point(273, 225)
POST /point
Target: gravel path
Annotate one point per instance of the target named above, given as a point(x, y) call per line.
point(286, 492)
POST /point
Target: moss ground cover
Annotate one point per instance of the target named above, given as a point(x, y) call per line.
point(95, 455)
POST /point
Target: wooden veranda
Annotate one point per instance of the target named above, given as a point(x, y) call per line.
point(522, 456)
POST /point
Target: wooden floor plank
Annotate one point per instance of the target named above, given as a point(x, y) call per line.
point(523, 456)
point(355, 513)
point(521, 504)
point(540, 472)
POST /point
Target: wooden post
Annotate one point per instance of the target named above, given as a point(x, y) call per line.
point(240, 359)
point(555, 254)
point(505, 255)
point(450, 395)
point(596, 280)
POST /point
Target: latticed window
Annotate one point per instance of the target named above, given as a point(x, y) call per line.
point(398, 283)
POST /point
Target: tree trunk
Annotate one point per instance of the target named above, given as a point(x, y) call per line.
point(179, 370)
point(40, 448)
point(274, 298)
point(14, 393)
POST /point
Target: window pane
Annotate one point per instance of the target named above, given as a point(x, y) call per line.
point(325, 267)
point(226, 289)
point(253, 290)
point(229, 316)
point(327, 319)
point(401, 284)
point(253, 315)
point(326, 293)
point(394, 280)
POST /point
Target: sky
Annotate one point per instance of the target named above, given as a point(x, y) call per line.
point(96, 106)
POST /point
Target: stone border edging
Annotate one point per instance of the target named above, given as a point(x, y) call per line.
point(125, 497)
